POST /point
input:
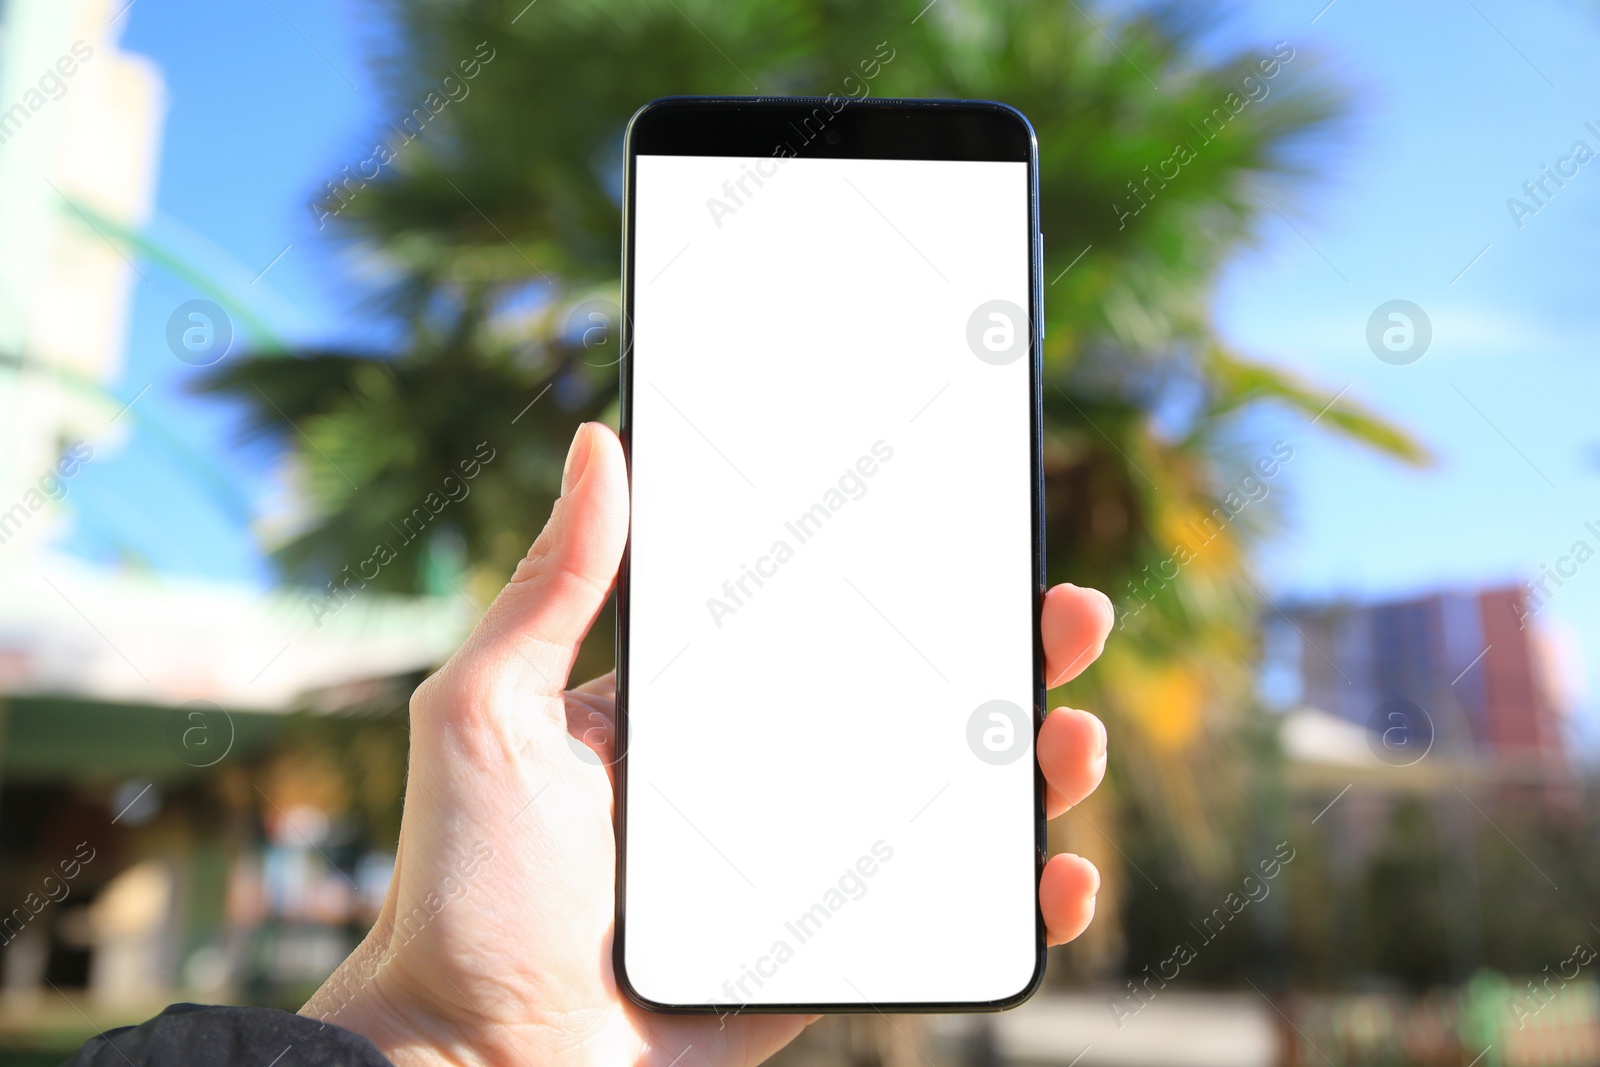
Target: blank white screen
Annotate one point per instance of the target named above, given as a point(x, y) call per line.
point(804, 346)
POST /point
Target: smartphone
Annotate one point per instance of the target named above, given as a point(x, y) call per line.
point(829, 674)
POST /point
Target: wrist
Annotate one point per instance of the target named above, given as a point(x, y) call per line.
point(356, 997)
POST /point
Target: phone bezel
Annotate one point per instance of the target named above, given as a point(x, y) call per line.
point(865, 129)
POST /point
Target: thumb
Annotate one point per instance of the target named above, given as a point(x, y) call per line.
point(541, 616)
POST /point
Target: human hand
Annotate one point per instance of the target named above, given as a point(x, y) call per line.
point(494, 942)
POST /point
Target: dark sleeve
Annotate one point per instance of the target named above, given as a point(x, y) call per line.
point(197, 1035)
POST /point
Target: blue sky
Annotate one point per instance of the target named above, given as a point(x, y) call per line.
point(266, 101)
point(1456, 104)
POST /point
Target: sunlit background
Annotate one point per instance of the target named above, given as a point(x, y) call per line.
point(1321, 381)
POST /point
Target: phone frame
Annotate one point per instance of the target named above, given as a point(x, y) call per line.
point(849, 129)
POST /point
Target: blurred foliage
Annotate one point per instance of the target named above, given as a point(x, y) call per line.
point(1403, 892)
point(1392, 892)
point(484, 231)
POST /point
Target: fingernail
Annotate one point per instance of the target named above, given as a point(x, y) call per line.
point(1100, 731)
point(577, 459)
point(1107, 608)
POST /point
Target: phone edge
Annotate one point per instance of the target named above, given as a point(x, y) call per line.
point(1037, 504)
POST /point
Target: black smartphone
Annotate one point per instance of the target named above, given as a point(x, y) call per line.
point(829, 675)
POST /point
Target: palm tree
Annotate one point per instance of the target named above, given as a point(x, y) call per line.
point(496, 213)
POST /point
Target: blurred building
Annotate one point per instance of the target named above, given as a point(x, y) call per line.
point(1469, 655)
point(156, 834)
point(80, 124)
point(1414, 731)
point(1463, 672)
